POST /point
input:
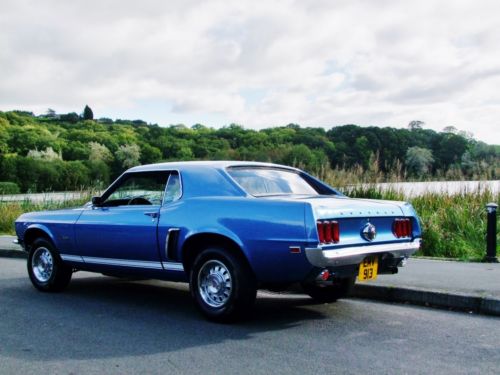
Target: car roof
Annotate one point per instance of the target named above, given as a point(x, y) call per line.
point(187, 165)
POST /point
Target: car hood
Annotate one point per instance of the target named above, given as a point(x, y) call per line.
point(64, 215)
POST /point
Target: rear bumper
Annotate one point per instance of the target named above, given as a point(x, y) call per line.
point(354, 255)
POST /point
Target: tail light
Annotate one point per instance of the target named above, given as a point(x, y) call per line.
point(328, 231)
point(402, 228)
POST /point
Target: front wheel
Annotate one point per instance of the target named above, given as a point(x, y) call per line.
point(222, 285)
point(330, 293)
point(46, 270)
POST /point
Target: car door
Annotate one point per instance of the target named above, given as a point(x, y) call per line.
point(122, 230)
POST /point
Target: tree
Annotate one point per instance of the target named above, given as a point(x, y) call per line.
point(87, 113)
point(450, 129)
point(416, 124)
point(71, 117)
point(50, 113)
point(128, 155)
point(48, 154)
point(99, 152)
point(419, 160)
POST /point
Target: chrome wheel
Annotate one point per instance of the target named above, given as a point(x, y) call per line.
point(214, 283)
point(42, 264)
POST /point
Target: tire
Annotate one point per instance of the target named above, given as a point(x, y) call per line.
point(46, 270)
point(330, 293)
point(222, 285)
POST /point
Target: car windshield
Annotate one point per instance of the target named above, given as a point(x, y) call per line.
point(271, 181)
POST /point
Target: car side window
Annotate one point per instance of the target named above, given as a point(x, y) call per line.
point(173, 190)
point(144, 188)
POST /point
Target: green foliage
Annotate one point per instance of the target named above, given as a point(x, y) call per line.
point(128, 155)
point(419, 160)
point(72, 117)
point(344, 154)
point(8, 187)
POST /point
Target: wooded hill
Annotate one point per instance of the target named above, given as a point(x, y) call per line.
point(68, 152)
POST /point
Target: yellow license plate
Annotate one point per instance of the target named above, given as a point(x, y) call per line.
point(368, 269)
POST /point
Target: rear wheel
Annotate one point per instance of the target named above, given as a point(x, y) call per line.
point(222, 285)
point(46, 270)
point(330, 293)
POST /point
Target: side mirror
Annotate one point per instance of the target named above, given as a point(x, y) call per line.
point(96, 201)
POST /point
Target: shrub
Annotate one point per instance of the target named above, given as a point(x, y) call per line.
point(8, 187)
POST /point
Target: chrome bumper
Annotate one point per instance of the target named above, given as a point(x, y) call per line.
point(354, 255)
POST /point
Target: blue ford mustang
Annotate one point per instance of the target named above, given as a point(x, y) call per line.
point(227, 228)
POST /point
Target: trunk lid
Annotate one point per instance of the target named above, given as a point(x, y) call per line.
point(342, 207)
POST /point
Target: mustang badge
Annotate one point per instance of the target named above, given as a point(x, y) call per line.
point(369, 232)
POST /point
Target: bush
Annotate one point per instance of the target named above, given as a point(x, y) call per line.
point(8, 187)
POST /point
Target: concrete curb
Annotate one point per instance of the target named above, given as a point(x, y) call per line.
point(19, 254)
point(448, 300)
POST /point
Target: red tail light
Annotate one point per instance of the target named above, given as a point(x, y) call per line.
point(321, 231)
point(335, 231)
point(402, 228)
point(328, 231)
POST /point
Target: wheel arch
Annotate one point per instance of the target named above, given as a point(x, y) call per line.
point(37, 231)
point(196, 243)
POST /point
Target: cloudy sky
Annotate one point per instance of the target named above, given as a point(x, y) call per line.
point(257, 63)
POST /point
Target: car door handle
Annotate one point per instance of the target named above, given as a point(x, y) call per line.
point(153, 215)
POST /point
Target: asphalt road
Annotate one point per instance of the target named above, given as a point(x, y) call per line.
point(105, 325)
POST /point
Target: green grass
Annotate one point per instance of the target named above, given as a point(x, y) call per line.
point(454, 225)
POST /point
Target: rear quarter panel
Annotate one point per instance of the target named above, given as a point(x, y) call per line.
point(263, 229)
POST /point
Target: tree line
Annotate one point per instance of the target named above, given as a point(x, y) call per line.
point(71, 151)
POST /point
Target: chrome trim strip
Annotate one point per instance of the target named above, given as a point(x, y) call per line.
point(123, 262)
point(166, 185)
point(172, 266)
point(354, 255)
point(169, 266)
point(71, 258)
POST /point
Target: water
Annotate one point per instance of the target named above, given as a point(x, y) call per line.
point(410, 189)
point(413, 189)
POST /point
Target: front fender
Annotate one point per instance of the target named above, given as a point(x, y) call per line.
point(32, 231)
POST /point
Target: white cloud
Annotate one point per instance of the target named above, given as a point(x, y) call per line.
point(311, 62)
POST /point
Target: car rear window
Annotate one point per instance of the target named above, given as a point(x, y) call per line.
point(271, 181)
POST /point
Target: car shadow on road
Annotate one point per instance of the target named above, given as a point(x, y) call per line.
point(100, 317)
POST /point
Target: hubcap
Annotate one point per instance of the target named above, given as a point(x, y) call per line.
point(214, 283)
point(42, 264)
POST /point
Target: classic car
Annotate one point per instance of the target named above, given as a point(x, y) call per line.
point(227, 228)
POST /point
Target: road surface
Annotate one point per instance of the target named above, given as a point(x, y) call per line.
point(106, 325)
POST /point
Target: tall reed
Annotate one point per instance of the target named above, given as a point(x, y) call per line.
point(454, 225)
